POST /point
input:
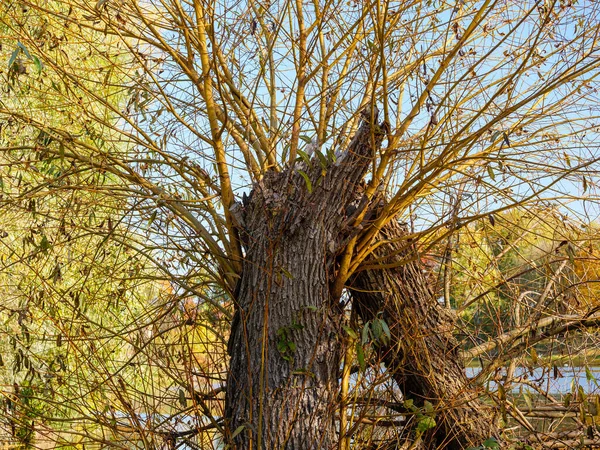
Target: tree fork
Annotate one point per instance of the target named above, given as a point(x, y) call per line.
point(423, 356)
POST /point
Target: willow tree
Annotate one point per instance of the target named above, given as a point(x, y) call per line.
point(293, 161)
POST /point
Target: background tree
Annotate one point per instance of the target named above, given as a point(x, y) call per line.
point(261, 157)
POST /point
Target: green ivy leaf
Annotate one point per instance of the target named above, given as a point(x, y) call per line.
point(426, 423)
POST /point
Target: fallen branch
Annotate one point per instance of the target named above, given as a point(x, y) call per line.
point(563, 323)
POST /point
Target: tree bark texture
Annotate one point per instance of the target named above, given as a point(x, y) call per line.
point(423, 356)
point(284, 346)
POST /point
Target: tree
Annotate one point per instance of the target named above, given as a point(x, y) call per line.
point(268, 154)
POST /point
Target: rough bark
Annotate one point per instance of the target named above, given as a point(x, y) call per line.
point(423, 356)
point(284, 343)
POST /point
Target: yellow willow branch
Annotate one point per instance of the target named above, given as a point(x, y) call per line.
point(216, 131)
point(302, 79)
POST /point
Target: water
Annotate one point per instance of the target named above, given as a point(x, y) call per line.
point(568, 379)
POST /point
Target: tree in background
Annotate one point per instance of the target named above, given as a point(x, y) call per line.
point(86, 314)
point(283, 167)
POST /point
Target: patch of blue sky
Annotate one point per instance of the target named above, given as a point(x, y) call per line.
point(259, 40)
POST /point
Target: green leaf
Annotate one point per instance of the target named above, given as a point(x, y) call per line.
point(45, 244)
point(426, 423)
point(285, 152)
point(494, 136)
point(238, 430)
point(182, 399)
point(428, 407)
point(305, 138)
point(528, 402)
point(350, 332)
point(22, 47)
point(307, 180)
point(588, 374)
point(365, 334)
point(304, 156)
point(534, 355)
point(152, 218)
point(287, 274)
point(376, 327)
point(38, 64)
point(570, 253)
point(13, 57)
point(322, 159)
point(491, 173)
point(386, 329)
point(331, 154)
point(360, 355)
point(491, 443)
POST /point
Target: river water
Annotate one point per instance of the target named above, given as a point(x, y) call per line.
point(566, 379)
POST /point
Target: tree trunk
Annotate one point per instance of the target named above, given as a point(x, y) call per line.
point(284, 346)
point(423, 356)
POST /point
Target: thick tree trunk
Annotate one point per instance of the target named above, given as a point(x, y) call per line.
point(423, 356)
point(284, 344)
